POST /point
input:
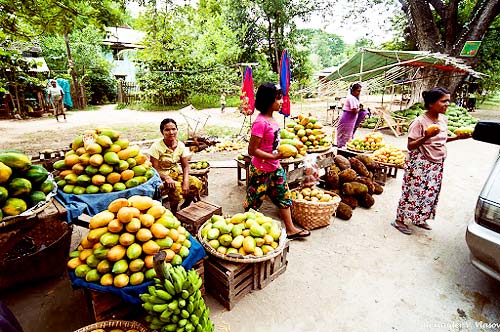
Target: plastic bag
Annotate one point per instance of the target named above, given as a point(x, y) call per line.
point(311, 171)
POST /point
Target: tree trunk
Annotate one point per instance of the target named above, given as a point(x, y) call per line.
point(77, 97)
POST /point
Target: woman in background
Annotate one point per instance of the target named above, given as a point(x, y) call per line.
point(352, 116)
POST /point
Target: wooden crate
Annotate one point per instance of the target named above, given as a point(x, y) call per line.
point(228, 282)
point(200, 268)
point(196, 214)
point(106, 306)
point(267, 271)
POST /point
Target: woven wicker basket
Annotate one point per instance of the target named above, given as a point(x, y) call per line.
point(117, 324)
point(311, 215)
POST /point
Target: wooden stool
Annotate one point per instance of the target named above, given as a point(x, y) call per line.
point(193, 216)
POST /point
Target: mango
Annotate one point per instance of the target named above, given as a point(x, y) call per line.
point(104, 141)
point(150, 247)
point(104, 266)
point(237, 230)
point(225, 239)
point(165, 243)
point(106, 280)
point(141, 202)
point(230, 251)
point(126, 239)
point(257, 231)
point(96, 233)
point(92, 261)
point(159, 231)
point(136, 278)
point(150, 274)
point(249, 244)
point(237, 241)
point(238, 218)
point(121, 280)
point(213, 233)
point(136, 265)
point(116, 253)
point(109, 239)
point(92, 276)
point(120, 266)
point(144, 235)
point(74, 262)
point(134, 251)
point(82, 270)
point(133, 226)
point(101, 219)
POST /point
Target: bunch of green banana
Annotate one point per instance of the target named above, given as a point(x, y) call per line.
point(176, 304)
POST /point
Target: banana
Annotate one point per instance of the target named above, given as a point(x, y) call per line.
point(182, 303)
point(169, 287)
point(184, 313)
point(160, 307)
point(189, 327)
point(184, 293)
point(165, 315)
point(173, 305)
point(170, 327)
point(144, 297)
point(152, 290)
point(156, 300)
point(194, 319)
point(163, 295)
point(148, 307)
point(182, 322)
point(190, 307)
point(174, 318)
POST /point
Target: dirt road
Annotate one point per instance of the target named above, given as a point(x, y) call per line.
point(357, 275)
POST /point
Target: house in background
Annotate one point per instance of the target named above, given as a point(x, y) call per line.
point(123, 43)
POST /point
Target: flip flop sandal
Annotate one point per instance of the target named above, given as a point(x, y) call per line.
point(424, 226)
point(402, 229)
point(302, 233)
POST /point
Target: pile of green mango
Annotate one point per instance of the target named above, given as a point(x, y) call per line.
point(249, 233)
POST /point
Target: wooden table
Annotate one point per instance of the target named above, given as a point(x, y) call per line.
point(294, 170)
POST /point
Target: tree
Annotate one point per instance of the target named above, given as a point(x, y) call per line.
point(29, 19)
point(445, 26)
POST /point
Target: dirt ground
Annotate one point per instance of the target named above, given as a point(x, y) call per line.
point(357, 275)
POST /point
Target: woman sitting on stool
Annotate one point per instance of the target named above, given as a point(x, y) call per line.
point(165, 155)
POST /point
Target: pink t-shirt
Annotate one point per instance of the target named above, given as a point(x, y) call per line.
point(434, 148)
point(351, 103)
point(269, 132)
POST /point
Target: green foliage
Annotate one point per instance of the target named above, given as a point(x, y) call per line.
point(89, 60)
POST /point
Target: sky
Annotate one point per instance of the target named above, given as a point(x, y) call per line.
point(375, 26)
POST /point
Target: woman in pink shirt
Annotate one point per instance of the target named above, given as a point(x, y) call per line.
point(424, 167)
point(266, 176)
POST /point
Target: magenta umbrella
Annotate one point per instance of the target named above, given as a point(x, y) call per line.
point(247, 94)
point(285, 82)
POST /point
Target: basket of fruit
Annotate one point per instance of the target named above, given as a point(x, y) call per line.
point(115, 326)
point(313, 207)
point(390, 155)
point(199, 167)
point(369, 143)
point(25, 189)
point(248, 237)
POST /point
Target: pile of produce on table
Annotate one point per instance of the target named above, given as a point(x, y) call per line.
point(22, 184)
point(370, 142)
point(458, 117)
point(248, 234)
point(352, 179)
point(389, 154)
point(121, 243)
point(303, 134)
point(227, 145)
point(175, 302)
point(101, 162)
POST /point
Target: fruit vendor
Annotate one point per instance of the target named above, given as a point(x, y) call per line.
point(427, 138)
point(165, 155)
point(266, 176)
point(352, 116)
